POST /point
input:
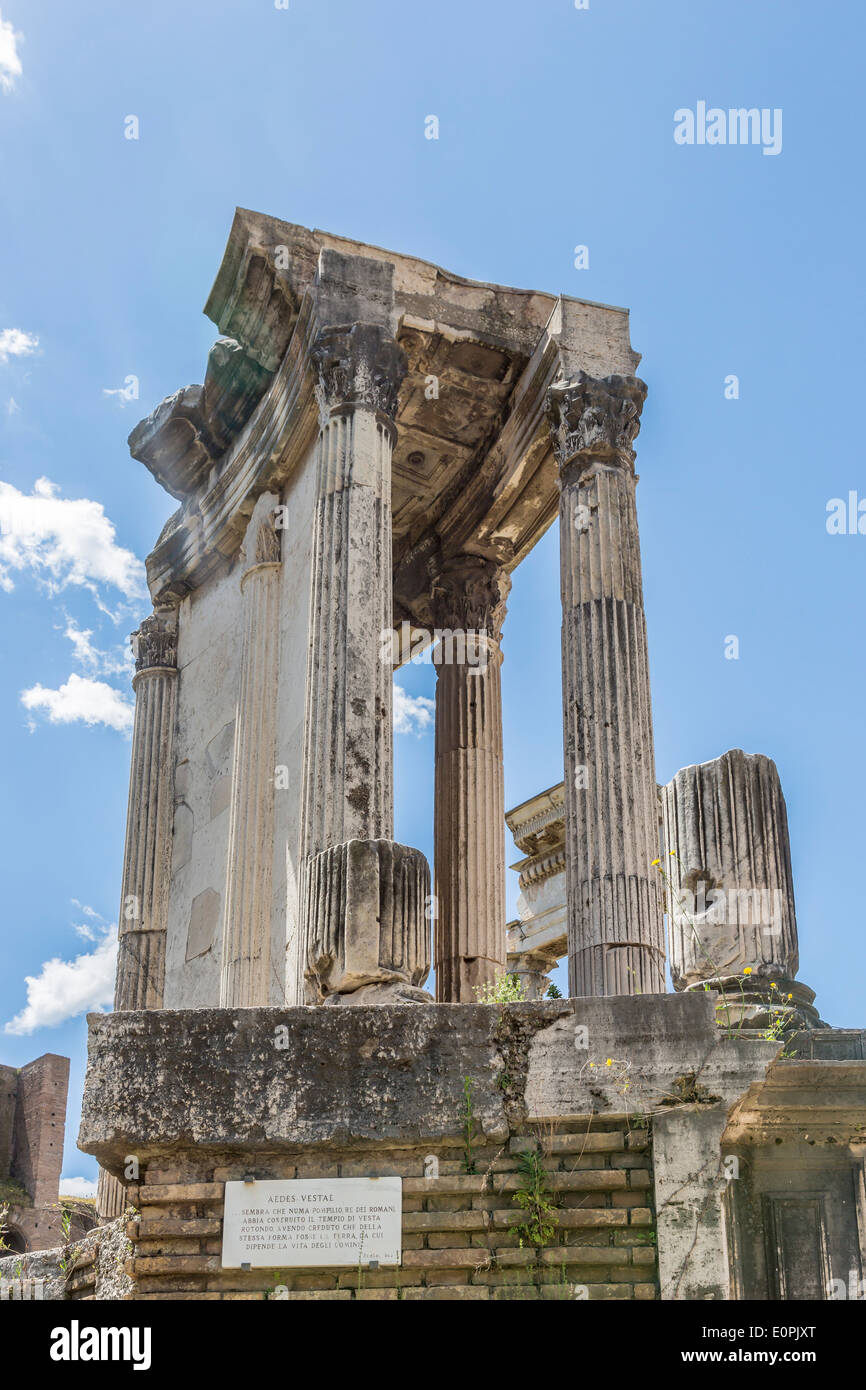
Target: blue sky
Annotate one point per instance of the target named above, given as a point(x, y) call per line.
point(556, 130)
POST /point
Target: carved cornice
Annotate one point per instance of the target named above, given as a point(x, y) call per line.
point(595, 418)
point(539, 869)
point(358, 365)
point(155, 644)
point(470, 594)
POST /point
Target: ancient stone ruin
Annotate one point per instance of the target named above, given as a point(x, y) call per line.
point(377, 446)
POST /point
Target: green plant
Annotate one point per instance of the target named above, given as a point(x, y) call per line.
point(468, 1117)
point(536, 1201)
point(505, 989)
point(553, 991)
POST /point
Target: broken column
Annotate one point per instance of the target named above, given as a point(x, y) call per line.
point(361, 922)
point(469, 598)
point(142, 921)
point(727, 867)
point(246, 970)
point(615, 928)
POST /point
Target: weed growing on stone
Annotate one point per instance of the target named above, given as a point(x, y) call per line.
point(468, 1116)
point(506, 989)
point(535, 1199)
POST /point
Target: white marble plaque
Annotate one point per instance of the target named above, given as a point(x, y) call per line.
point(288, 1222)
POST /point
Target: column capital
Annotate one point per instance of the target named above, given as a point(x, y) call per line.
point(470, 593)
point(154, 644)
point(358, 365)
point(595, 418)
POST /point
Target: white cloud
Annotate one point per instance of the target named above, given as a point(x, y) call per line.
point(64, 989)
point(12, 406)
point(81, 700)
point(92, 657)
point(87, 933)
point(88, 911)
point(10, 63)
point(77, 1187)
point(13, 341)
point(412, 713)
point(64, 540)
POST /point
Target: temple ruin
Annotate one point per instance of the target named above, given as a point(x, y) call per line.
point(376, 447)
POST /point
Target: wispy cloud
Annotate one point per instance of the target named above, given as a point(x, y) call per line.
point(81, 701)
point(10, 63)
point(84, 929)
point(66, 988)
point(413, 714)
point(13, 341)
point(64, 541)
point(95, 660)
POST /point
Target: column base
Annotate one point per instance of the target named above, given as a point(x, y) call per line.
point(393, 992)
point(753, 1006)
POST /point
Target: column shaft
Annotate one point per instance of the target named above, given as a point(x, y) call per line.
point(615, 928)
point(245, 979)
point(349, 778)
point(348, 767)
point(469, 603)
point(143, 917)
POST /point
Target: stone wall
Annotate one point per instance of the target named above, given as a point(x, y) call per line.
point(460, 1230)
point(91, 1268)
point(201, 1097)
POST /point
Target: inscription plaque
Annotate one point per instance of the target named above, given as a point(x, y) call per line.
point(288, 1222)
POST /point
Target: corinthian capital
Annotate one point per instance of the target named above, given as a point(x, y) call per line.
point(155, 643)
point(358, 365)
point(470, 594)
point(595, 418)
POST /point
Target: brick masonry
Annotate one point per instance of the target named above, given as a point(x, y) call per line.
point(459, 1229)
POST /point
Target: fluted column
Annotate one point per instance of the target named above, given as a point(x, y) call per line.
point(363, 924)
point(469, 928)
point(349, 774)
point(142, 920)
point(246, 959)
point(615, 929)
point(732, 920)
point(147, 854)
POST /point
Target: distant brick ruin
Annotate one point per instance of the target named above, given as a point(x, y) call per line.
point(32, 1119)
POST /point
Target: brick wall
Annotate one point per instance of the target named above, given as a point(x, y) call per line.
point(458, 1236)
point(8, 1093)
point(40, 1115)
